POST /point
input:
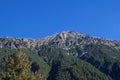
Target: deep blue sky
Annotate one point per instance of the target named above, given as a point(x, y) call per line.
point(40, 18)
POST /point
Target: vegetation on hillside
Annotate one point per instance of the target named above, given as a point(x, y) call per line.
point(17, 67)
point(64, 67)
point(99, 63)
point(104, 58)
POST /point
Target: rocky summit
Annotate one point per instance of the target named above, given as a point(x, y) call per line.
point(66, 39)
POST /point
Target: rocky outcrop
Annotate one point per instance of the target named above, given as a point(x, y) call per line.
point(65, 40)
point(68, 39)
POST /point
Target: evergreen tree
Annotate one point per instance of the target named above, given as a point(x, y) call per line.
point(17, 67)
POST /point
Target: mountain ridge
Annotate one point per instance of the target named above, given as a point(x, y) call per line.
point(65, 39)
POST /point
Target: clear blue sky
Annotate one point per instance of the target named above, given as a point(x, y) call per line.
point(40, 18)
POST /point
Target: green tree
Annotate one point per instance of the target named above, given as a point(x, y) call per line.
point(17, 67)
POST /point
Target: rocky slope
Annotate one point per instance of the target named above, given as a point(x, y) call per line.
point(65, 39)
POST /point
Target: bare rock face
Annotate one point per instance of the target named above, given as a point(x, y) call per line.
point(66, 40)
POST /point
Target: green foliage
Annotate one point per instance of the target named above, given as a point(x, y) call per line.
point(17, 67)
point(79, 70)
point(64, 67)
point(50, 54)
point(55, 64)
point(44, 68)
point(104, 58)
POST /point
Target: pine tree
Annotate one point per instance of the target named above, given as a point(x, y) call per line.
point(17, 67)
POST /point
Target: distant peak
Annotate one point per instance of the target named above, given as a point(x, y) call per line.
point(71, 33)
point(68, 31)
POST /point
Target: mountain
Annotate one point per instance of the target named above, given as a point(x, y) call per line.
point(71, 53)
point(65, 39)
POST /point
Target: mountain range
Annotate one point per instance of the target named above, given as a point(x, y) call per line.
point(69, 55)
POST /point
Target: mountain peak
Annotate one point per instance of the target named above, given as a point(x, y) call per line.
point(69, 38)
point(70, 34)
point(68, 31)
point(65, 39)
